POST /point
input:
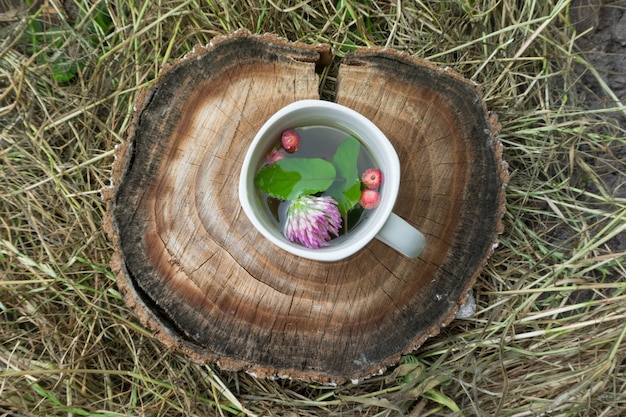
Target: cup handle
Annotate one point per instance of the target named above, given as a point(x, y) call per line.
point(401, 236)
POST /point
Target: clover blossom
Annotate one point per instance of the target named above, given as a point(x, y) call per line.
point(311, 221)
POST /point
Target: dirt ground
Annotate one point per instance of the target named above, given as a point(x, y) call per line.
point(604, 47)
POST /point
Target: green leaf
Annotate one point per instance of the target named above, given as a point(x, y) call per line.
point(65, 71)
point(47, 394)
point(102, 17)
point(347, 189)
point(291, 177)
point(353, 217)
point(346, 197)
point(442, 399)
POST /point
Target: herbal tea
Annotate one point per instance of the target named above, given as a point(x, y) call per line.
point(317, 183)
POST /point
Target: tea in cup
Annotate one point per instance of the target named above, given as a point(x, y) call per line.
point(320, 180)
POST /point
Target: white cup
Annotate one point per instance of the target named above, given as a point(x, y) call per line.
point(381, 223)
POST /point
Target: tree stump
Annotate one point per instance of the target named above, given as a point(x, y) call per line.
point(205, 281)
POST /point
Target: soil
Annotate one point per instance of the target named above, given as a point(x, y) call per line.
point(604, 47)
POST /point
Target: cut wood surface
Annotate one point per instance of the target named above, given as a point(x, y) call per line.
point(205, 281)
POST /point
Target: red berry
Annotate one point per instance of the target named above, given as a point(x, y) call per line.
point(372, 178)
point(274, 155)
point(290, 140)
point(369, 199)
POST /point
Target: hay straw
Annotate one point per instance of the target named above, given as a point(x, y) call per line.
point(548, 337)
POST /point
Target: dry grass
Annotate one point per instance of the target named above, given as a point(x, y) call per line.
point(549, 334)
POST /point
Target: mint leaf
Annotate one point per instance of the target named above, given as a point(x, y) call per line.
point(347, 189)
point(291, 177)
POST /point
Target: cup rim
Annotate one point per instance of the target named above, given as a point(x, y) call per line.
point(341, 117)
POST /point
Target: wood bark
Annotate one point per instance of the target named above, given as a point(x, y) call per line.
point(205, 281)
